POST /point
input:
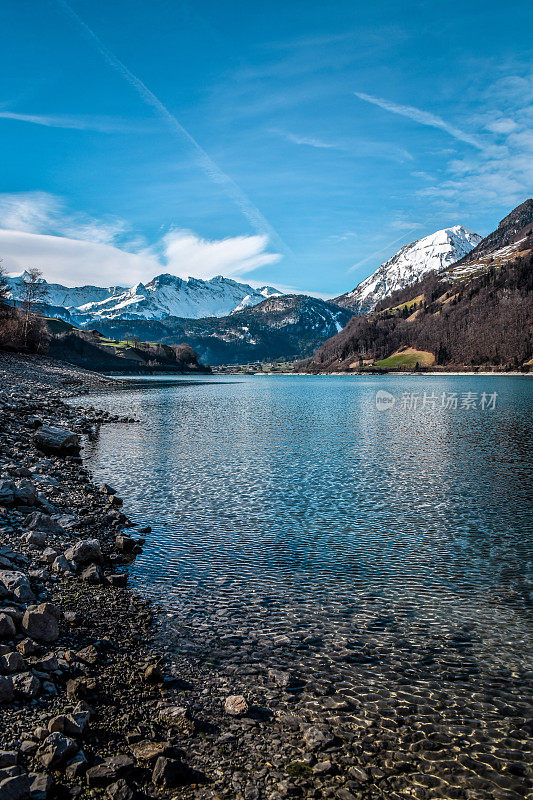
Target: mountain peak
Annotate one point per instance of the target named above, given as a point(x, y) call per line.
point(431, 253)
point(164, 296)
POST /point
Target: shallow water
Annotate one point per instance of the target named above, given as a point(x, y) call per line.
point(384, 553)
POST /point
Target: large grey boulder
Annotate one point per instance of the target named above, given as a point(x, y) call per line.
point(56, 749)
point(7, 493)
point(17, 584)
point(37, 521)
point(85, 552)
point(26, 685)
point(42, 622)
point(58, 441)
point(25, 493)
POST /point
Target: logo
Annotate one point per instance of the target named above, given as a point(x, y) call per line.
point(384, 400)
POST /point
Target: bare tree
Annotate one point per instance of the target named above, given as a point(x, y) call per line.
point(34, 289)
point(4, 289)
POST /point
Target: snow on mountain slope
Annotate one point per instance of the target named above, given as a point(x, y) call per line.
point(164, 296)
point(430, 254)
point(251, 300)
point(66, 296)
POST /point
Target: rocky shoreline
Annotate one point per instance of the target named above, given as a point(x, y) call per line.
point(97, 701)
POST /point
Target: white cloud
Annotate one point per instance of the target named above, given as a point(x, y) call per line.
point(502, 173)
point(401, 223)
point(27, 211)
point(501, 125)
point(86, 250)
point(187, 254)
point(309, 141)
point(423, 117)
point(40, 212)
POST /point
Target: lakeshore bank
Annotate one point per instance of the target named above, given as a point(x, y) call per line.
point(97, 701)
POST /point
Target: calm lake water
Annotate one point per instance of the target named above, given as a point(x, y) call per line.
point(386, 552)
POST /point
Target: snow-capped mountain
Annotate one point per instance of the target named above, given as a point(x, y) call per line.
point(164, 296)
point(66, 296)
point(430, 254)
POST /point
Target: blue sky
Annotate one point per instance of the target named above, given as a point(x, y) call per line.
point(293, 143)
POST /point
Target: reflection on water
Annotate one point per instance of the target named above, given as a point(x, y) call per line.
point(388, 552)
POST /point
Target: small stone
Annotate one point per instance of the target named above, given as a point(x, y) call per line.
point(57, 441)
point(7, 627)
point(178, 717)
point(236, 705)
point(147, 752)
point(168, 773)
point(25, 493)
point(40, 785)
point(60, 564)
point(76, 766)
point(26, 685)
point(283, 678)
point(27, 647)
point(88, 655)
point(28, 748)
point(92, 574)
point(48, 555)
point(317, 738)
point(47, 664)
point(153, 674)
point(124, 543)
point(35, 539)
point(322, 768)
point(70, 724)
point(119, 791)
point(107, 772)
point(12, 662)
point(8, 758)
point(17, 584)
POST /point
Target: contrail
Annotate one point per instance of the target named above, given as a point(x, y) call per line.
point(250, 211)
point(422, 117)
point(381, 250)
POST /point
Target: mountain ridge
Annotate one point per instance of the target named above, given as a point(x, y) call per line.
point(430, 253)
point(165, 295)
point(287, 327)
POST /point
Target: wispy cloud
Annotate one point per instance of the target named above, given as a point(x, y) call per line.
point(186, 254)
point(40, 212)
point(422, 117)
point(73, 248)
point(502, 173)
point(98, 124)
point(309, 141)
point(232, 190)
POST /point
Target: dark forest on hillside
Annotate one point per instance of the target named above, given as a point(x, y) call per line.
point(486, 319)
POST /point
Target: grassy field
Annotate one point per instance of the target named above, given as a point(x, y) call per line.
point(407, 359)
